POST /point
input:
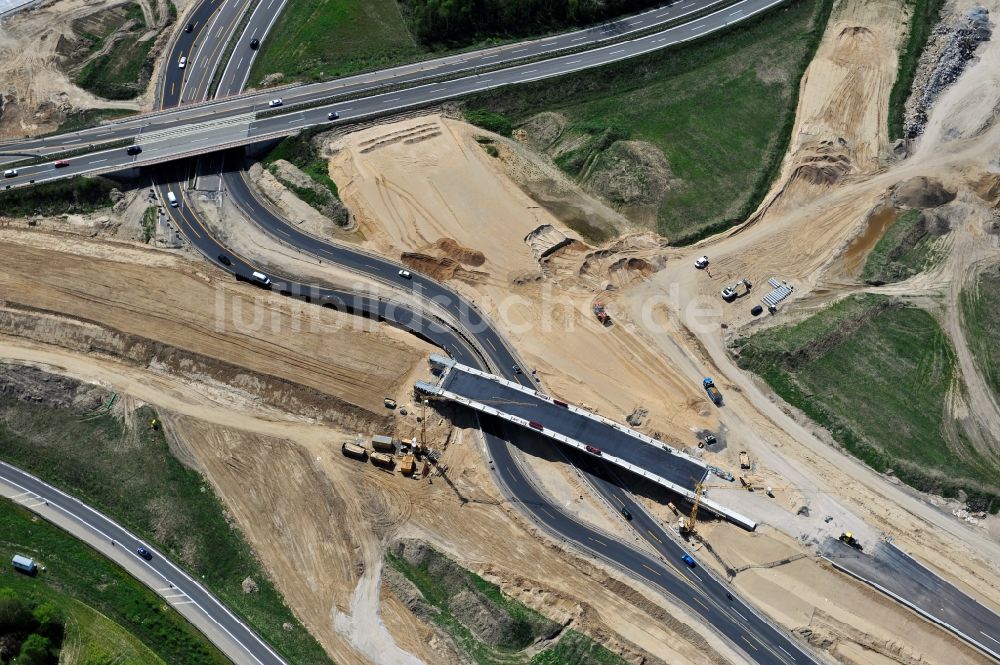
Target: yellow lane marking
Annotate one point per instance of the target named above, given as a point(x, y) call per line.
point(748, 642)
point(652, 570)
point(618, 499)
point(653, 536)
point(698, 600)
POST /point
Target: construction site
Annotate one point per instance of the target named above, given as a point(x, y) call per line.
point(636, 397)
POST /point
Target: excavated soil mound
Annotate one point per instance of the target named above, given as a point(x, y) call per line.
point(987, 187)
point(921, 192)
point(823, 164)
point(466, 255)
point(640, 266)
point(439, 267)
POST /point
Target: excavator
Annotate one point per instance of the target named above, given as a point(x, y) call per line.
point(732, 292)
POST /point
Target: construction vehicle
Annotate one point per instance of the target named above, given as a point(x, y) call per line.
point(848, 539)
point(732, 292)
point(354, 450)
point(389, 403)
point(601, 313)
point(712, 391)
point(673, 508)
point(744, 460)
point(382, 460)
point(408, 465)
point(688, 525)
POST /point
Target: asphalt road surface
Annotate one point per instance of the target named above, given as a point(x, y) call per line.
point(203, 609)
point(230, 122)
point(896, 573)
point(681, 471)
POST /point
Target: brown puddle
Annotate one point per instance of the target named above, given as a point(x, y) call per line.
point(878, 222)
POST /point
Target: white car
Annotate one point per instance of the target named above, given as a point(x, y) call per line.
point(405, 274)
point(275, 102)
point(10, 173)
point(183, 62)
point(701, 262)
point(260, 278)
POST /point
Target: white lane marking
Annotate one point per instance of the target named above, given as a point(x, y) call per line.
point(789, 655)
point(183, 602)
point(487, 57)
point(102, 134)
point(240, 64)
point(738, 11)
point(578, 39)
point(990, 636)
point(518, 50)
point(741, 616)
point(696, 575)
point(98, 161)
point(697, 27)
point(394, 99)
point(485, 80)
point(209, 138)
point(621, 50)
point(572, 62)
point(529, 71)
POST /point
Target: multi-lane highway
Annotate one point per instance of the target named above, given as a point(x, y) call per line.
point(197, 604)
point(445, 319)
point(231, 122)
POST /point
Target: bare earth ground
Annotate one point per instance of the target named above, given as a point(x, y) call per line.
point(36, 93)
point(668, 320)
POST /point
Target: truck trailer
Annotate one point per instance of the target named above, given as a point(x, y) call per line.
point(354, 450)
point(712, 391)
point(24, 564)
point(382, 460)
point(383, 444)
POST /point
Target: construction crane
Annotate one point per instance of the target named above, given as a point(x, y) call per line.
point(692, 519)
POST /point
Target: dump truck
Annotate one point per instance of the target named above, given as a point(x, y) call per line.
point(408, 465)
point(382, 460)
point(383, 444)
point(354, 450)
point(848, 539)
point(712, 391)
point(744, 460)
point(24, 564)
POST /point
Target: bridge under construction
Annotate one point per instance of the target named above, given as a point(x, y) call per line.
point(574, 427)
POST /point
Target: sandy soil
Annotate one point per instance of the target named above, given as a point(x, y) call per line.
point(37, 94)
point(187, 307)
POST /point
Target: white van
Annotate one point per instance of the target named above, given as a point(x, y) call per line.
point(261, 278)
point(172, 199)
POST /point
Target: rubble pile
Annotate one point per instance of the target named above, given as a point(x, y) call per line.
point(949, 49)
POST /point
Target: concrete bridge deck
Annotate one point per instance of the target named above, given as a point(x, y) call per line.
point(575, 427)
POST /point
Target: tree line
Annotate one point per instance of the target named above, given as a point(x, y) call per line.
point(464, 21)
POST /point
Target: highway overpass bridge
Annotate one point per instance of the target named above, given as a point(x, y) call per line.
point(575, 427)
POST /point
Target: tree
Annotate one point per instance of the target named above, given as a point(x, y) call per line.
point(36, 650)
point(50, 622)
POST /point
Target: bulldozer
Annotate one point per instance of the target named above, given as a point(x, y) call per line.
point(848, 539)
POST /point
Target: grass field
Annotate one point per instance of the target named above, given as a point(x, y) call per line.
point(322, 39)
point(110, 617)
point(926, 14)
point(903, 251)
point(122, 72)
point(439, 580)
point(981, 312)
point(299, 150)
point(133, 477)
point(721, 110)
point(79, 195)
point(878, 375)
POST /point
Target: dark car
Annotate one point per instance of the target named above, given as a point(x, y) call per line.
point(189, 27)
point(62, 163)
point(332, 115)
point(517, 370)
point(626, 514)
point(133, 150)
point(688, 560)
point(144, 553)
point(594, 450)
point(254, 43)
point(225, 260)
